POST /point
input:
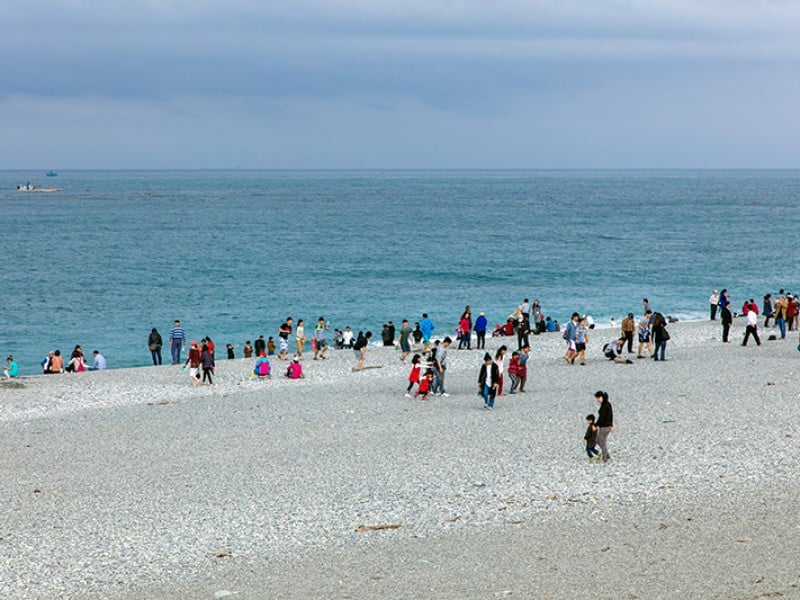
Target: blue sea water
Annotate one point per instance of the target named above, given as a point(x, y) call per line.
point(232, 253)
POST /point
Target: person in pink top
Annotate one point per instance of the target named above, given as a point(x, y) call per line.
point(465, 330)
point(295, 369)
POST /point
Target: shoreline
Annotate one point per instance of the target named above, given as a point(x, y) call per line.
point(133, 484)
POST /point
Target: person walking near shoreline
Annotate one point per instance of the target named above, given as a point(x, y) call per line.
point(522, 369)
point(581, 339)
point(177, 338)
point(604, 423)
point(154, 343)
point(752, 328)
point(284, 331)
point(403, 341)
point(569, 336)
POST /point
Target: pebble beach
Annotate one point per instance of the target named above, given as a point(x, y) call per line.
point(130, 483)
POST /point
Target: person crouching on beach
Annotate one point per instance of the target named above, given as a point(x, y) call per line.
point(591, 439)
point(11, 369)
point(605, 423)
point(488, 379)
point(414, 375)
point(262, 367)
point(193, 361)
point(613, 351)
point(425, 384)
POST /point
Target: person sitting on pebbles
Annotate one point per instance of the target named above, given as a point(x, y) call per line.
point(11, 369)
point(295, 369)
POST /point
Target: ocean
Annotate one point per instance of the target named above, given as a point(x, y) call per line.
point(233, 253)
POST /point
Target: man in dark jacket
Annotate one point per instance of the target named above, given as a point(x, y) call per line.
point(488, 379)
point(605, 423)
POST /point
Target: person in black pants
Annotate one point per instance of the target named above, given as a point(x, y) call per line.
point(726, 318)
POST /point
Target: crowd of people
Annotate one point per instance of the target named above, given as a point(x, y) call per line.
point(783, 310)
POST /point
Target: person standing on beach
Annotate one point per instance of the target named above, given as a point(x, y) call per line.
point(581, 339)
point(627, 328)
point(465, 330)
point(347, 338)
point(523, 329)
point(320, 343)
point(644, 335)
point(481, 323)
point(194, 363)
point(522, 369)
point(791, 312)
point(284, 331)
point(569, 336)
point(488, 379)
point(426, 326)
point(713, 302)
point(260, 345)
point(538, 317)
point(660, 336)
point(752, 328)
point(605, 423)
point(780, 314)
point(154, 343)
point(646, 306)
point(590, 437)
point(177, 338)
point(300, 337)
point(440, 366)
point(500, 361)
point(725, 315)
point(766, 308)
point(403, 341)
point(207, 362)
point(248, 349)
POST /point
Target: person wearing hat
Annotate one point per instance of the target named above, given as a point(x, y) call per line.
point(11, 369)
point(295, 369)
point(480, 331)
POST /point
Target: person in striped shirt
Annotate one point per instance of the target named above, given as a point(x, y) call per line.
point(177, 338)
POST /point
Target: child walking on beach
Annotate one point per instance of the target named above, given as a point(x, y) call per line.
point(591, 439)
point(513, 371)
point(414, 375)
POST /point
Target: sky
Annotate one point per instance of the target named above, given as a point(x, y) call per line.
point(270, 84)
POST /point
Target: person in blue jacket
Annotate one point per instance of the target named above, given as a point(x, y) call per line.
point(480, 330)
point(427, 327)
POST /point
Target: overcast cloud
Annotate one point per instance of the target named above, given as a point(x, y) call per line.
point(304, 84)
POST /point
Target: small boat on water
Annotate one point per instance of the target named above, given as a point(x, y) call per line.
point(51, 174)
point(29, 187)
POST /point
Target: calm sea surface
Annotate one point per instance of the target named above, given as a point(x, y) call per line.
point(232, 253)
